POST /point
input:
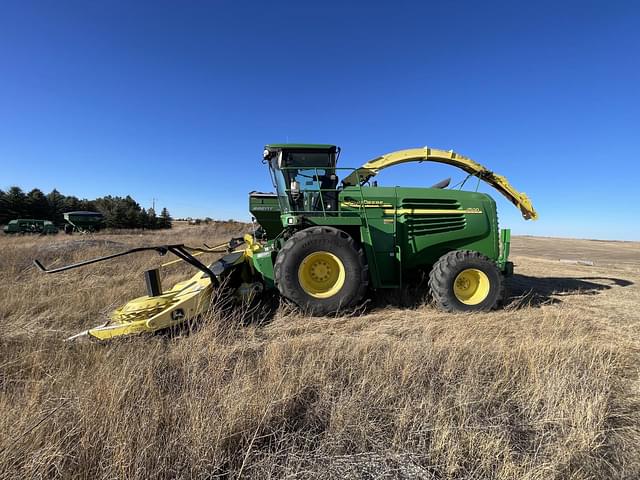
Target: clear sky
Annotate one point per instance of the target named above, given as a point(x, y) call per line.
point(175, 100)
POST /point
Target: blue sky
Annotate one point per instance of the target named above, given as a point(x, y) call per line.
point(175, 100)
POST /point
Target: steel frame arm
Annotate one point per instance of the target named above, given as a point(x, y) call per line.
point(179, 250)
point(426, 154)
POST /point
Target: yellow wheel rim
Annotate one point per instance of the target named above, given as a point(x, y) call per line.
point(321, 274)
point(471, 286)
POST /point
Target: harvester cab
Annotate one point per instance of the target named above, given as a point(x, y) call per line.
point(323, 242)
point(304, 176)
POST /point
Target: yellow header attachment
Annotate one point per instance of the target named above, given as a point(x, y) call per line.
point(426, 154)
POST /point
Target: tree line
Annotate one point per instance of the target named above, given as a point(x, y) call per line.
point(119, 212)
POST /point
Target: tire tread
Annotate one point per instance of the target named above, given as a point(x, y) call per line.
point(292, 293)
point(442, 270)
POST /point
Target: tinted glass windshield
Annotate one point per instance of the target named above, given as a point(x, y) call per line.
point(305, 181)
point(308, 159)
point(280, 184)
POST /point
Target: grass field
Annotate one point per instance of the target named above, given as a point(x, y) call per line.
point(546, 388)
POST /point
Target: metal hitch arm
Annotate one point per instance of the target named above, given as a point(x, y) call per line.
point(179, 250)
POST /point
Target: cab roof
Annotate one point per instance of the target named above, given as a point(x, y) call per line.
point(300, 146)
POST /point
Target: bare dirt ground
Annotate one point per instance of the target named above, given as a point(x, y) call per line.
point(545, 388)
point(600, 252)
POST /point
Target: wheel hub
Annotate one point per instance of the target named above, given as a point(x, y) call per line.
point(463, 283)
point(471, 286)
point(321, 274)
point(320, 271)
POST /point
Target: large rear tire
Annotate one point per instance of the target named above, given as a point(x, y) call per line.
point(321, 270)
point(466, 281)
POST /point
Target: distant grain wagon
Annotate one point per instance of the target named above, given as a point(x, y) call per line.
point(30, 225)
point(83, 221)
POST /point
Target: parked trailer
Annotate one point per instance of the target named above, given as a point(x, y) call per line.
point(83, 221)
point(30, 225)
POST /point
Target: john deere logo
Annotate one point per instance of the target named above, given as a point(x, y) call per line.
point(365, 203)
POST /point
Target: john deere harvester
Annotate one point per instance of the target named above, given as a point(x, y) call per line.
point(329, 235)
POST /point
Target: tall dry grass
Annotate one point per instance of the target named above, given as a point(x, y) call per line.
point(535, 392)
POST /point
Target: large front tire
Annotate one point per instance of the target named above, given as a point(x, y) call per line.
point(321, 270)
point(466, 281)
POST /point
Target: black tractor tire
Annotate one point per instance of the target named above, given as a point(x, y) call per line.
point(449, 269)
point(320, 241)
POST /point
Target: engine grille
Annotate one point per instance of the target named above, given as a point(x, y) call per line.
point(423, 222)
point(435, 203)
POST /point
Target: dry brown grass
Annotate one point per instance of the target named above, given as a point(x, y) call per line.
point(547, 388)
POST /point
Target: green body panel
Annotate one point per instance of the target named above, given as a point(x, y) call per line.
point(266, 210)
point(402, 230)
point(30, 225)
point(263, 264)
point(406, 229)
point(505, 247)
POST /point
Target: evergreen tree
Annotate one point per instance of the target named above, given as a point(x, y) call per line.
point(152, 221)
point(88, 205)
point(165, 219)
point(71, 204)
point(37, 205)
point(118, 212)
point(4, 209)
point(16, 203)
point(56, 206)
point(118, 216)
point(143, 218)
